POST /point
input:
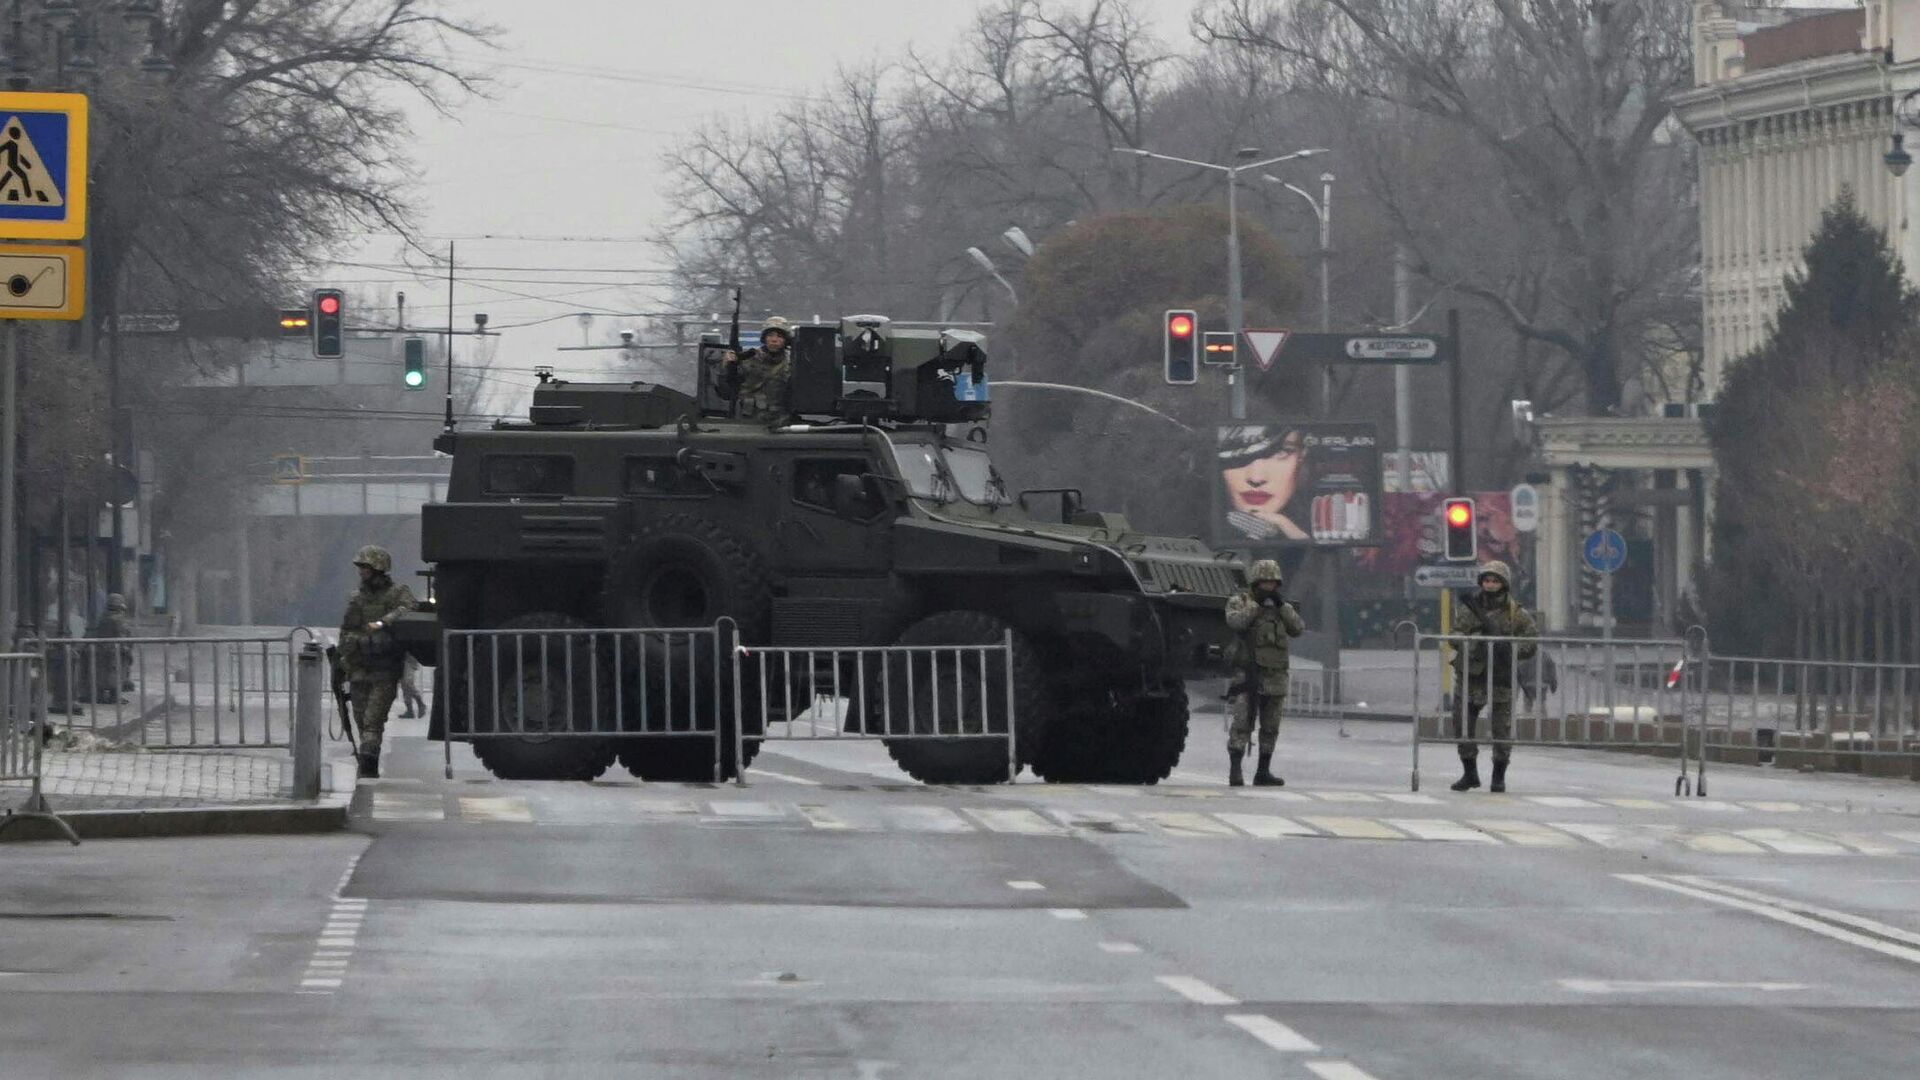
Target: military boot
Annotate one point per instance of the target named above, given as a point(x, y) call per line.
point(369, 764)
point(1234, 777)
point(1263, 774)
point(1469, 775)
point(1499, 777)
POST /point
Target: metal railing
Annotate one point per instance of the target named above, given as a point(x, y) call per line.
point(564, 683)
point(176, 692)
point(1574, 693)
point(1823, 713)
point(22, 736)
point(879, 692)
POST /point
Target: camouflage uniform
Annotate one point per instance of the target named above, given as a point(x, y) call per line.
point(373, 678)
point(1267, 627)
point(113, 670)
point(1486, 671)
point(758, 382)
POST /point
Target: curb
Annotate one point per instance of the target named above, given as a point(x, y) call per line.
point(186, 821)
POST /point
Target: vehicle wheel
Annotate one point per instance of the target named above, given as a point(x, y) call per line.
point(536, 697)
point(919, 700)
point(689, 758)
point(1117, 738)
point(685, 571)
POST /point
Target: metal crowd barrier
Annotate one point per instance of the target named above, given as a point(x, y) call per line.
point(1825, 714)
point(586, 683)
point(180, 693)
point(876, 692)
point(1610, 695)
point(22, 735)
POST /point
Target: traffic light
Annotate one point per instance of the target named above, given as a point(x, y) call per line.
point(1462, 525)
point(1217, 347)
point(415, 374)
point(329, 318)
point(295, 322)
point(1183, 347)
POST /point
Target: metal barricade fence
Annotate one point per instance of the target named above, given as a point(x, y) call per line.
point(537, 685)
point(1826, 714)
point(1610, 695)
point(183, 693)
point(22, 726)
point(878, 692)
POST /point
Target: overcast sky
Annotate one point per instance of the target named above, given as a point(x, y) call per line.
point(567, 151)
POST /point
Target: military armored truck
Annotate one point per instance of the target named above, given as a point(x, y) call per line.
point(873, 515)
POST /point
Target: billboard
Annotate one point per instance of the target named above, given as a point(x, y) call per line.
point(1410, 532)
point(1302, 484)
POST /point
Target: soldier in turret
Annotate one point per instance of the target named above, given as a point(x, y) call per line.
point(757, 380)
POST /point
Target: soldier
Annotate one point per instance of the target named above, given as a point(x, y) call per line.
point(1487, 670)
point(1263, 622)
point(113, 664)
point(373, 661)
point(757, 380)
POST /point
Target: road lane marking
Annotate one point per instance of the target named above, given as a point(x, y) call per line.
point(1561, 801)
point(785, 778)
point(1353, 828)
point(1026, 886)
point(1779, 912)
point(494, 808)
point(1194, 990)
point(1337, 1070)
point(1017, 822)
point(1120, 948)
point(1859, 922)
point(1266, 826)
point(320, 984)
point(1347, 796)
point(1721, 844)
point(1790, 843)
point(1105, 821)
point(927, 819)
point(401, 806)
point(1443, 830)
point(761, 810)
point(1774, 807)
point(1187, 824)
point(1524, 833)
point(1274, 794)
point(1651, 986)
point(1411, 797)
point(1711, 805)
point(1067, 914)
point(1636, 804)
point(1865, 845)
point(1275, 1034)
point(822, 818)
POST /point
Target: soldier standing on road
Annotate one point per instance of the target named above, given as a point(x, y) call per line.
point(1263, 623)
point(757, 379)
point(1487, 669)
point(372, 659)
point(113, 664)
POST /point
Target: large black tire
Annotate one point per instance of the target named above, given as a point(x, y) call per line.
point(1117, 738)
point(536, 704)
point(685, 571)
point(964, 760)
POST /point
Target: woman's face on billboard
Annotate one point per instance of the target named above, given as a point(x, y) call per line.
point(1264, 486)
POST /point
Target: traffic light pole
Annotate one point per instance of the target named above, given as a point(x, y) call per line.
point(1235, 303)
point(9, 487)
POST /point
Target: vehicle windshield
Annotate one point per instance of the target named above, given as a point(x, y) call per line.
point(950, 474)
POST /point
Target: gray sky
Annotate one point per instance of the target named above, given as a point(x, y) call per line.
point(590, 94)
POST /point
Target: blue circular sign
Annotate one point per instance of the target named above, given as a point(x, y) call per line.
point(1605, 550)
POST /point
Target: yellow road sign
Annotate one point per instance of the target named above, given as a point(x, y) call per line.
point(43, 166)
point(42, 281)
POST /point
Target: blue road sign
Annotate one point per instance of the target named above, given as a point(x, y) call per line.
point(43, 166)
point(1605, 551)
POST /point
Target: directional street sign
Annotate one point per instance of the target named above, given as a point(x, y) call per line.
point(1605, 551)
point(43, 166)
point(1364, 348)
point(1525, 500)
point(1444, 577)
point(1266, 345)
point(40, 281)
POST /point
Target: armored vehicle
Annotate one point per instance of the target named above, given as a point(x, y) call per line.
point(872, 515)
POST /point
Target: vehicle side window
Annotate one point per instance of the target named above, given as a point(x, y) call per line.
point(663, 476)
point(527, 474)
point(814, 480)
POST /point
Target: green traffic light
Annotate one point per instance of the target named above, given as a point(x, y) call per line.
point(416, 379)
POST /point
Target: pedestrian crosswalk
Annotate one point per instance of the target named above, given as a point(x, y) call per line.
point(854, 816)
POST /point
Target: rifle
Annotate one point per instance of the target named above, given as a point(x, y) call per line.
point(1249, 682)
point(340, 700)
point(733, 345)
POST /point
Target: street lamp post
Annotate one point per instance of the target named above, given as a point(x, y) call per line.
point(1235, 301)
point(1323, 214)
point(986, 264)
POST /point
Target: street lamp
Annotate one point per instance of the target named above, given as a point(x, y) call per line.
point(986, 264)
point(1235, 303)
point(1322, 213)
point(1017, 237)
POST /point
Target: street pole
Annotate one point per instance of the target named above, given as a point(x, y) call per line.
point(9, 488)
point(1325, 213)
point(1235, 312)
point(1459, 468)
point(1402, 375)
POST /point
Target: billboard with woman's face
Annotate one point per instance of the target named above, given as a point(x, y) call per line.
point(1300, 483)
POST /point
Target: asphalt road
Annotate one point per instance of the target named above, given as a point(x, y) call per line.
point(830, 919)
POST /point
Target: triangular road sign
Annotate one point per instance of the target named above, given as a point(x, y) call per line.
point(1266, 345)
point(24, 180)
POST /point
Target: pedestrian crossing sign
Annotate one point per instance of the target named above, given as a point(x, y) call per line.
point(43, 166)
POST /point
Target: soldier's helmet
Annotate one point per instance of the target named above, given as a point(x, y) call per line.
point(1500, 570)
point(1264, 570)
point(776, 324)
point(116, 603)
point(374, 558)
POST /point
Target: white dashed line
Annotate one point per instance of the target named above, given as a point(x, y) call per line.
point(1196, 991)
point(1337, 1070)
point(1067, 913)
point(1025, 886)
point(1275, 1034)
point(320, 984)
point(1120, 948)
point(785, 778)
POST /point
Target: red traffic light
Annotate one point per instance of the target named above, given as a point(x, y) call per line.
point(1459, 514)
point(329, 305)
point(1180, 326)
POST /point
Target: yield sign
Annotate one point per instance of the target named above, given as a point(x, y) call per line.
point(1266, 345)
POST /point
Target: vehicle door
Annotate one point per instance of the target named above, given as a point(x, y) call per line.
point(833, 518)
